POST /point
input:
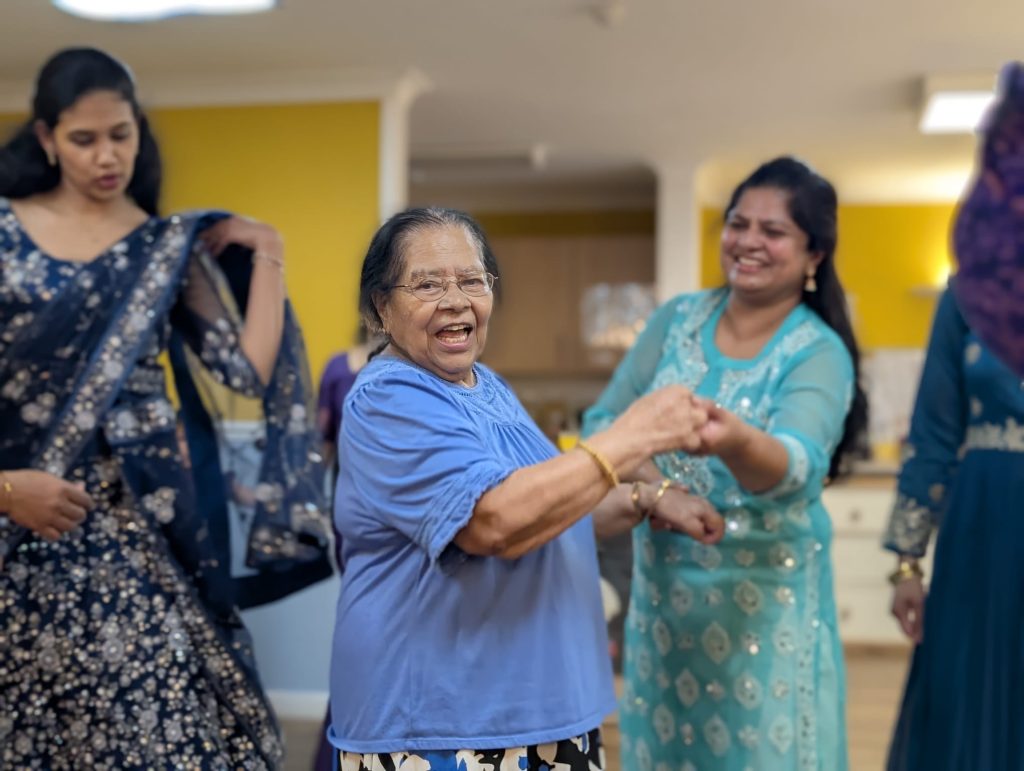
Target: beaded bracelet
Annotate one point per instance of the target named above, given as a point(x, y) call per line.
point(606, 467)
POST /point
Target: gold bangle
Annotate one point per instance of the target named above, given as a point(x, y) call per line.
point(606, 467)
point(8, 489)
point(635, 497)
point(665, 484)
point(276, 261)
point(905, 571)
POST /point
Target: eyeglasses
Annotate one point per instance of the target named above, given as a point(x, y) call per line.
point(430, 289)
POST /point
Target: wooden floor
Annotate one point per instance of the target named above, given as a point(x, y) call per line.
point(874, 683)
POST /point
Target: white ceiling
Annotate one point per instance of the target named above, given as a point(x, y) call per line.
point(718, 83)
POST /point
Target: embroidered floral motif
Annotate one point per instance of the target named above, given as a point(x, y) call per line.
point(716, 734)
point(137, 421)
point(910, 526)
point(780, 734)
point(782, 557)
point(749, 597)
point(748, 737)
point(1007, 437)
point(748, 691)
point(664, 723)
point(716, 643)
point(687, 688)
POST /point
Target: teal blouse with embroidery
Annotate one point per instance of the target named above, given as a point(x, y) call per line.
point(733, 658)
point(798, 389)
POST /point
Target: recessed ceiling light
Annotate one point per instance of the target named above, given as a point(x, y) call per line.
point(954, 105)
point(152, 10)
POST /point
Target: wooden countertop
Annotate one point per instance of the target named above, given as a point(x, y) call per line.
point(865, 481)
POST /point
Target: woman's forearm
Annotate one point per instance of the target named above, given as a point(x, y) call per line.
point(758, 460)
point(645, 472)
point(264, 317)
point(538, 503)
point(615, 513)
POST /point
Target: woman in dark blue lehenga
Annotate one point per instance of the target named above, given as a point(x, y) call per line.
point(120, 644)
point(964, 473)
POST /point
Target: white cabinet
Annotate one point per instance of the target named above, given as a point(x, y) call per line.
point(859, 514)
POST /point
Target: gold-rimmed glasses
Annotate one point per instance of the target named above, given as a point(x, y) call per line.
point(433, 288)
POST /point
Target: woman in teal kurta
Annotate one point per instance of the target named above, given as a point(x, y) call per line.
point(733, 658)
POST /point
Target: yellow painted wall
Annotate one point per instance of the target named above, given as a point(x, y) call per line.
point(886, 254)
point(311, 170)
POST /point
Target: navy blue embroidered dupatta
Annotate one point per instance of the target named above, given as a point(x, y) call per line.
point(71, 337)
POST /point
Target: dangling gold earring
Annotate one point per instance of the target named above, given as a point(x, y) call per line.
point(51, 158)
point(810, 285)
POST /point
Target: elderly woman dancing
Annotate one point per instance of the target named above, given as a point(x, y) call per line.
point(469, 627)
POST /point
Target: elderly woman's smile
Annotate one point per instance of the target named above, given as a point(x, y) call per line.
point(455, 337)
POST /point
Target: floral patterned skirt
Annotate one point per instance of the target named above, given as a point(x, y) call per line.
point(108, 660)
point(580, 753)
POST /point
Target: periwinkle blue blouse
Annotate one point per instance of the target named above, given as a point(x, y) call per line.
point(435, 649)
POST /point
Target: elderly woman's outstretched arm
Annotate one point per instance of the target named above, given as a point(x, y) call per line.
point(420, 464)
point(537, 503)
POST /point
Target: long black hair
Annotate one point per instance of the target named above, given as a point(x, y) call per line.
point(813, 204)
point(385, 259)
point(64, 79)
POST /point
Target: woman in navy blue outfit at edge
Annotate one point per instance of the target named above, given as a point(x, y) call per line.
point(963, 475)
point(470, 632)
point(120, 644)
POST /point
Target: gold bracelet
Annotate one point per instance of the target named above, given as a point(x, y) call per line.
point(635, 497)
point(606, 467)
point(276, 261)
point(8, 489)
point(665, 484)
point(905, 571)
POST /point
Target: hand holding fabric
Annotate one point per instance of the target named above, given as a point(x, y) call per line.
point(259, 237)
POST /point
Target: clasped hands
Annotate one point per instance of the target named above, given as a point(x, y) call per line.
point(676, 420)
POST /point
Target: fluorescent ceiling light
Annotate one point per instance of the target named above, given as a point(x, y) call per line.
point(956, 105)
point(953, 112)
point(152, 10)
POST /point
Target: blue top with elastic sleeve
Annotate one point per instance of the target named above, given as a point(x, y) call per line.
point(435, 649)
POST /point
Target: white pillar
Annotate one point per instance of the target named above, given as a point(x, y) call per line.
point(393, 155)
point(677, 243)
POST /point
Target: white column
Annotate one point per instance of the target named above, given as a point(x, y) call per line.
point(394, 142)
point(677, 243)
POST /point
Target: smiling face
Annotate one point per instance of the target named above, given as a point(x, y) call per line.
point(764, 252)
point(95, 143)
point(445, 336)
